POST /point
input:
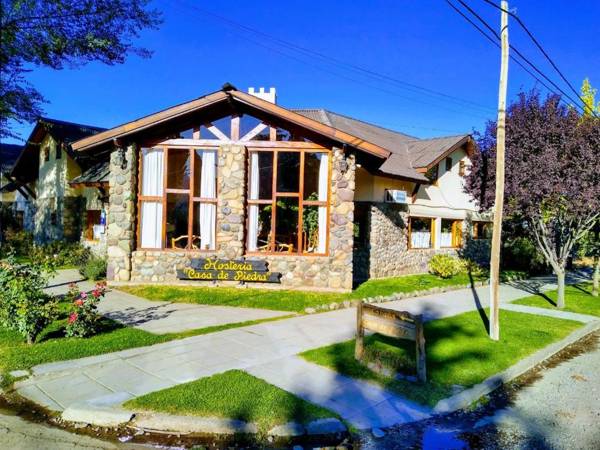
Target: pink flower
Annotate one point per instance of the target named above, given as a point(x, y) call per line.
point(83, 295)
point(96, 293)
point(79, 302)
point(73, 317)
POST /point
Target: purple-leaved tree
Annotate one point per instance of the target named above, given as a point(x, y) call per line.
point(552, 175)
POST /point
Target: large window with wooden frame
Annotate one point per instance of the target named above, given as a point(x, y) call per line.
point(451, 233)
point(177, 199)
point(420, 232)
point(288, 201)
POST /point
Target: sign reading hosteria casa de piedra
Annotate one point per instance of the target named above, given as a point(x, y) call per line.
point(209, 269)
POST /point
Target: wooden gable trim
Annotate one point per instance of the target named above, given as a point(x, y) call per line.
point(148, 121)
point(310, 124)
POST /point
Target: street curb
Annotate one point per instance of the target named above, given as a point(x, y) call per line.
point(468, 396)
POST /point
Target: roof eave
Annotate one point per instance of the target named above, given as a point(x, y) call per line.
point(423, 169)
point(147, 122)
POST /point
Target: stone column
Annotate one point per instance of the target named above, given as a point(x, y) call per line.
point(121, 212)
point(341, 220)
point(231, 192)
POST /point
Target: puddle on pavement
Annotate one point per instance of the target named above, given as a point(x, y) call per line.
point(442, 439)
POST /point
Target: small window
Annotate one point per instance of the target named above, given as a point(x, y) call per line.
point(451, 233)
point(448, 164)
point(420, 232)
point(46, 154)
point(461, 168)
point(58, 151)
point(482, 230)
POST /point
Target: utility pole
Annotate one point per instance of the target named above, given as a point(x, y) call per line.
point(499, 202)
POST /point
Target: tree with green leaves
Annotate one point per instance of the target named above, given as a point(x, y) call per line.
point(590, 243)
point(59, 33)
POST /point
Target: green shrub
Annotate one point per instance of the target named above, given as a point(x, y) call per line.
point(471, 267)
point(24, 306)
point(94, 268)
point(18, 243)
point(445, 266)
point(61, 253)
point(520, 253)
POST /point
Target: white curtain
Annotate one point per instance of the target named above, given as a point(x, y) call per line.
point(446, 239)
point(152, 185)
point(208, 189)
point(323, 189)
point(152, 170)
point(420, 239)
point(253, 209)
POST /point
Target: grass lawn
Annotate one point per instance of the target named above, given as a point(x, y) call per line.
point(236, 395)
point(291, 300)
point(458, 349)
point(578, 299)
point(52, 346)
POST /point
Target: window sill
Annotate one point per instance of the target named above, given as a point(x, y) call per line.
point(287, 255)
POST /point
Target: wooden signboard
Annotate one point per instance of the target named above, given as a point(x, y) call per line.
point(241, 270)
point(396, 324)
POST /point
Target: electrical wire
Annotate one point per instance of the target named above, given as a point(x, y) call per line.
point(339, 63)
point(512, 47)
point(495, 42)
point(539, 46)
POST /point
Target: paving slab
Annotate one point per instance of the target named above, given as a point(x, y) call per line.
point(266, 350)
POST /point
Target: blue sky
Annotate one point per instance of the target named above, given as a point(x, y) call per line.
point(422, 42)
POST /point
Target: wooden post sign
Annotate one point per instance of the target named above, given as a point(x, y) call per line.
point(396, 324)
point(213, 269)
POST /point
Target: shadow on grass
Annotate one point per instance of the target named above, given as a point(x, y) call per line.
point(580, 288)
point(480, 310)
point(445, 364)
point(57, 329)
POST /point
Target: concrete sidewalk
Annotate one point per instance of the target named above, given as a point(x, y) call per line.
point(159, 317)
point(267, 350)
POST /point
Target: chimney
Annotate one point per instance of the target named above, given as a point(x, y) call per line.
point(270, 95)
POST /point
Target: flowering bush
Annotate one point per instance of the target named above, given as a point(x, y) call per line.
point(24, 306)
point(83, 318)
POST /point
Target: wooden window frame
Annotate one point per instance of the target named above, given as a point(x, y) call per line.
point(89, 228)
point(299, 195)
point(462, 166)
point(456, 233)
point(431, 230)
point(192, 199)
point(475, 234)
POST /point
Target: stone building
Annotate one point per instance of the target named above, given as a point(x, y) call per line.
point(67, 190)
point(231, 187)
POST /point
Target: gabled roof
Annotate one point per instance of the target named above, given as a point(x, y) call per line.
point(229, 95)
point(395, 153)
point(26, 166)
point(410, 156)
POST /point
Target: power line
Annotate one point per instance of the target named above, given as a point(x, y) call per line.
point(539, 46)
point(339, 63)
point(495, 42)
point(533, 66)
